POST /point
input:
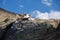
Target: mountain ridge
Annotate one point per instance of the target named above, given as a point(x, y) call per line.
point(12, 27)
point(4, 15)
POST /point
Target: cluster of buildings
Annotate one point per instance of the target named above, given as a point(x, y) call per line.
point(25, 17)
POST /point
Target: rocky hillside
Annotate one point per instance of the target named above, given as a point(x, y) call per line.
point(7, 17)
point(12, 27)
point(28, 30)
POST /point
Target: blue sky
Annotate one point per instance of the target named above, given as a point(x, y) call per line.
point(30, 6)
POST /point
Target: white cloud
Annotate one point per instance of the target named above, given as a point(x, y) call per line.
point(40, 15)
point(47, 2)
point(21, 5)
point(46, 15)
point(54, 14)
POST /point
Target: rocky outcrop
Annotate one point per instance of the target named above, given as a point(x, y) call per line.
point(7, 17)
point(28, 30)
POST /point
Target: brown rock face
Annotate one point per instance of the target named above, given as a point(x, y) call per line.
point(7, 17)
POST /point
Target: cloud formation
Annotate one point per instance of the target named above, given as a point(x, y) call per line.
point(21, 5)
point(54, 14)
point(46, 15)
point(47, 2)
